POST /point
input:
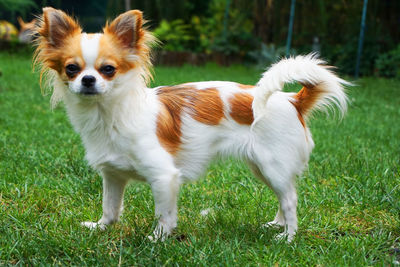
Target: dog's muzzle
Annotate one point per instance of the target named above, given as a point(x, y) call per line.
point(88, 85)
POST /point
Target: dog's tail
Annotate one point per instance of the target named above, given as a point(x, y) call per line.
point(321, 87)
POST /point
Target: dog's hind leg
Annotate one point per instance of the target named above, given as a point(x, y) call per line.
point(287, 207)
point(283, 185)
point(279, 219)
point(113, 192)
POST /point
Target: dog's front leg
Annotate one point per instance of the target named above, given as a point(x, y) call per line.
point(113, 192)
point(165, 191)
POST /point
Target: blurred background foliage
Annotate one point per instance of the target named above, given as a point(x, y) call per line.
point(251, 31)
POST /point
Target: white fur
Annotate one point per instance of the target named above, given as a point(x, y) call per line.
point(90, 48)
point(118, 130)
point(303, 69)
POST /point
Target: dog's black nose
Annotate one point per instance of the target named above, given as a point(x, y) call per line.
point(88, 80)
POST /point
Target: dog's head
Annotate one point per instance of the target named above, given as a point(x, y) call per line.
point(92, 64)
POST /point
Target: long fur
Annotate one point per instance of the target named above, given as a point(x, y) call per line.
point(168, 135)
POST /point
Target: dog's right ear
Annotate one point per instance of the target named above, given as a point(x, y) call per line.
point(55, 26)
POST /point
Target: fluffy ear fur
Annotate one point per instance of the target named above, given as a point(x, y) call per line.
point(56, 26)
point(127, 28)
point(128, 32)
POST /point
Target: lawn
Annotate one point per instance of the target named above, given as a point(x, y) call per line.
point(349, 208)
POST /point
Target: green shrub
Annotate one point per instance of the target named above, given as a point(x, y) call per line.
point(174, 35)
point(388, 64)
point(344, 55)
point(207, 34)
point(13, 6)
point(204, 31)
point(237, 39)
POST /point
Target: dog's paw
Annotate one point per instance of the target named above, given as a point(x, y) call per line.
point(156, 238)
point(273, 224)
point(161, 232)
point(94, 225)
point(284, 237)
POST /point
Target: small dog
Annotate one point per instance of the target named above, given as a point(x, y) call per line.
point(26, 32)
point(169, 134)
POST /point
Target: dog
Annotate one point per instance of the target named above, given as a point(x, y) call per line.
point(26, 33)
point(168, 135)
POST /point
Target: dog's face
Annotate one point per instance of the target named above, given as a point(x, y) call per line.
point(87, 67)
point(92, 64)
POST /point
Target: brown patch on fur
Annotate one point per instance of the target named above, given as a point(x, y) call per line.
point(203, 105)
point(110, 52)
point(245, 86)
point(208, 106)
point(304, 100)
point(301, 119)
point(169, 128)
point(241, 108)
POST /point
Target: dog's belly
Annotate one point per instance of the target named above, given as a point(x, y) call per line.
point(112, 169)
point(208, 143)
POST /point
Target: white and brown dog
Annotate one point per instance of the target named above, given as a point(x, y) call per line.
point(169, 134)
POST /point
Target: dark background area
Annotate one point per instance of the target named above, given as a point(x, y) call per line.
point(254, 32)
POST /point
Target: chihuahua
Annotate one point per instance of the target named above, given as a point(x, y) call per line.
point(169, 134)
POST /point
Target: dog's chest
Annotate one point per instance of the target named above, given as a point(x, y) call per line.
point(122, 141)
point(112, 149)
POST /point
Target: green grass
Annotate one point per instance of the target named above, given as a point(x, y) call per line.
point(348, 198)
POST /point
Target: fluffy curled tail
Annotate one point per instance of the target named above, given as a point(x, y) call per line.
point(321, 87)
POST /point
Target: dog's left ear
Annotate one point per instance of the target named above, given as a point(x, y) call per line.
point(127, 27)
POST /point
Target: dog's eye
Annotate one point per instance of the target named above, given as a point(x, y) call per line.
point(107, 70)
point(72, 69)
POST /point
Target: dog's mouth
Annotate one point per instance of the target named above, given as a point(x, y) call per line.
point(91, 97)
point(88, 95)
point(89, 91)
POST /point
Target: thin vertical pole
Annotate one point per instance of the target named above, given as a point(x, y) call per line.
point(226, 17)
point(361, 39)
point(290, 30)
point(127, 5)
